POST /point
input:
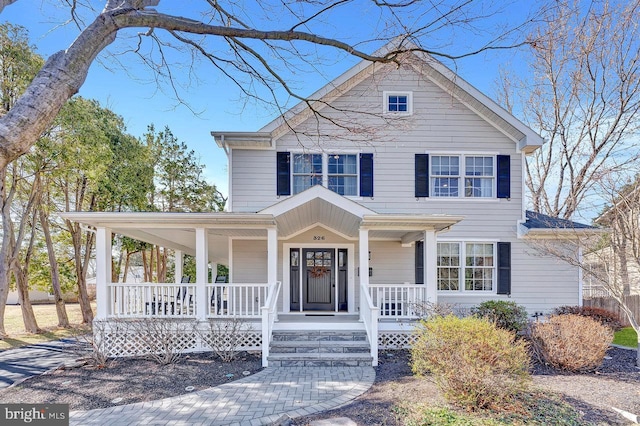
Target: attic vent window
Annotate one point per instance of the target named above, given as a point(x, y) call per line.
point(398, 103)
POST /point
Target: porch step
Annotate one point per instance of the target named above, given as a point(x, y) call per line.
point(319, 348)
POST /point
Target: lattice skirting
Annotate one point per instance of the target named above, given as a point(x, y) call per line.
point(395, 340)
point(122, 338)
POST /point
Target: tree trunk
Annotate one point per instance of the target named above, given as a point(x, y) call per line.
point(61, 310)
point(144, 266)
point(4, 249)
point(126, 267)
point(83, 297)
point(28, 316)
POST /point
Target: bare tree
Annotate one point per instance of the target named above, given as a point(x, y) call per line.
point(242, 42)
point(583, 96)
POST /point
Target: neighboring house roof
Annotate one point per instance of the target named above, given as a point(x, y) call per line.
point(537, 220)
point(542, 225)
point(526, 139)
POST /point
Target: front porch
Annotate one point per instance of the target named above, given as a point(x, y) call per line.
point(308, 255)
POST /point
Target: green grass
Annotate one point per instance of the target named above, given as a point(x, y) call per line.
point(47, 320)
point(626, 337)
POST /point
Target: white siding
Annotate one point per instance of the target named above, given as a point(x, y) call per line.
point(440, 124)
point(249, 261)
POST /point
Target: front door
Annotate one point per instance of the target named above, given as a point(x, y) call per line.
point(318, 280)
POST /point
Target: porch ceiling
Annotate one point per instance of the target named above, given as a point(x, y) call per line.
point(316, 211)
point(177, 230)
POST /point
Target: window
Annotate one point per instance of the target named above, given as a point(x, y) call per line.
point(479, 267)
point(445, 175)
point(307, 171)
point(448, 266)
point(479, 176)
point(478, 180)
point(478, 270)
point(398, 103)
point(343, 174)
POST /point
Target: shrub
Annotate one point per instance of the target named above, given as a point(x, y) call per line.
point(473, 362)
point(507, 315)
point(225, 337)
point(603, 316)
point(571, 342)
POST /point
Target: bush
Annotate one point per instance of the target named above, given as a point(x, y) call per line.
point(507, 315)
point(603, 316)
point(571, 342)
point(473, 362)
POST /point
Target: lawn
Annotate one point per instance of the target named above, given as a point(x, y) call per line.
point(626, 337)
point(47, 320)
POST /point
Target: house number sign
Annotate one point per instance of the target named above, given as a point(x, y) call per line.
point(318, 238)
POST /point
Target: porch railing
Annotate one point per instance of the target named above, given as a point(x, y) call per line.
point(399, 301)
point(180, 300)
point(369, 316)
point(150, 299)
point(236, 300)
point(269, 316)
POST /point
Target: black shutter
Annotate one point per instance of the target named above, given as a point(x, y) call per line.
point(504, 176)
point(419, 262)
point(283, 173)
point(366, 175)
point(422, 175)
point(504, 268)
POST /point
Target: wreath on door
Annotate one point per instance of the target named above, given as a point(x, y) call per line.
point(318, 271)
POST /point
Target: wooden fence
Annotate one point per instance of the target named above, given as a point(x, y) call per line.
point(610, 304)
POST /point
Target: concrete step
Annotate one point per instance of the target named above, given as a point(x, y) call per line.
point(315, 335)
point(320, 360)
point(320, 346)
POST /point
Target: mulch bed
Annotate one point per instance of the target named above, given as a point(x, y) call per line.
point(615, 383)
point(132, 379)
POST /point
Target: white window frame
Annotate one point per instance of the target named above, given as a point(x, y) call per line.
point(294, 174)
point(356, 175)
point(462, 268)
point(385, 102)
point(325, 169)
point(462, 175)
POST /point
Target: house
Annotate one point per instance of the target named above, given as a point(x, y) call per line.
point(401, 186)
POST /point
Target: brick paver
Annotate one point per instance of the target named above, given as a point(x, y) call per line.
point(258, 399)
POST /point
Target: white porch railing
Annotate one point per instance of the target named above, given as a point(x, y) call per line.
point(151, 300)
point(399, 301)
point(236, 300)
point(269, 316)
point(369, 316)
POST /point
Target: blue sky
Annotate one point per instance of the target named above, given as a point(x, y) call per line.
point(124, 85)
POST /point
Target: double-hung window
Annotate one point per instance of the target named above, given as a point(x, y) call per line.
point(477, 271)
point(450, 172)
point(342, 173)
point(307, 171)
point(345, 174)
point(478, 176)
point(445, 175)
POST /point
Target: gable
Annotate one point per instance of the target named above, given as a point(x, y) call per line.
point(438, 117)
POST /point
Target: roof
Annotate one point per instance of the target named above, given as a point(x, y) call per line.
point(537, 220)
point(526, 139)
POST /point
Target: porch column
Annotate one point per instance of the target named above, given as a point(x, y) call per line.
point(430, 265)
point(202, 272)
point(103, 272)
point(272, 256)
point(363, 253)
point(179, 260)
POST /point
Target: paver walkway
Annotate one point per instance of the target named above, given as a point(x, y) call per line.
point(19, 363)
point(258, 399)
